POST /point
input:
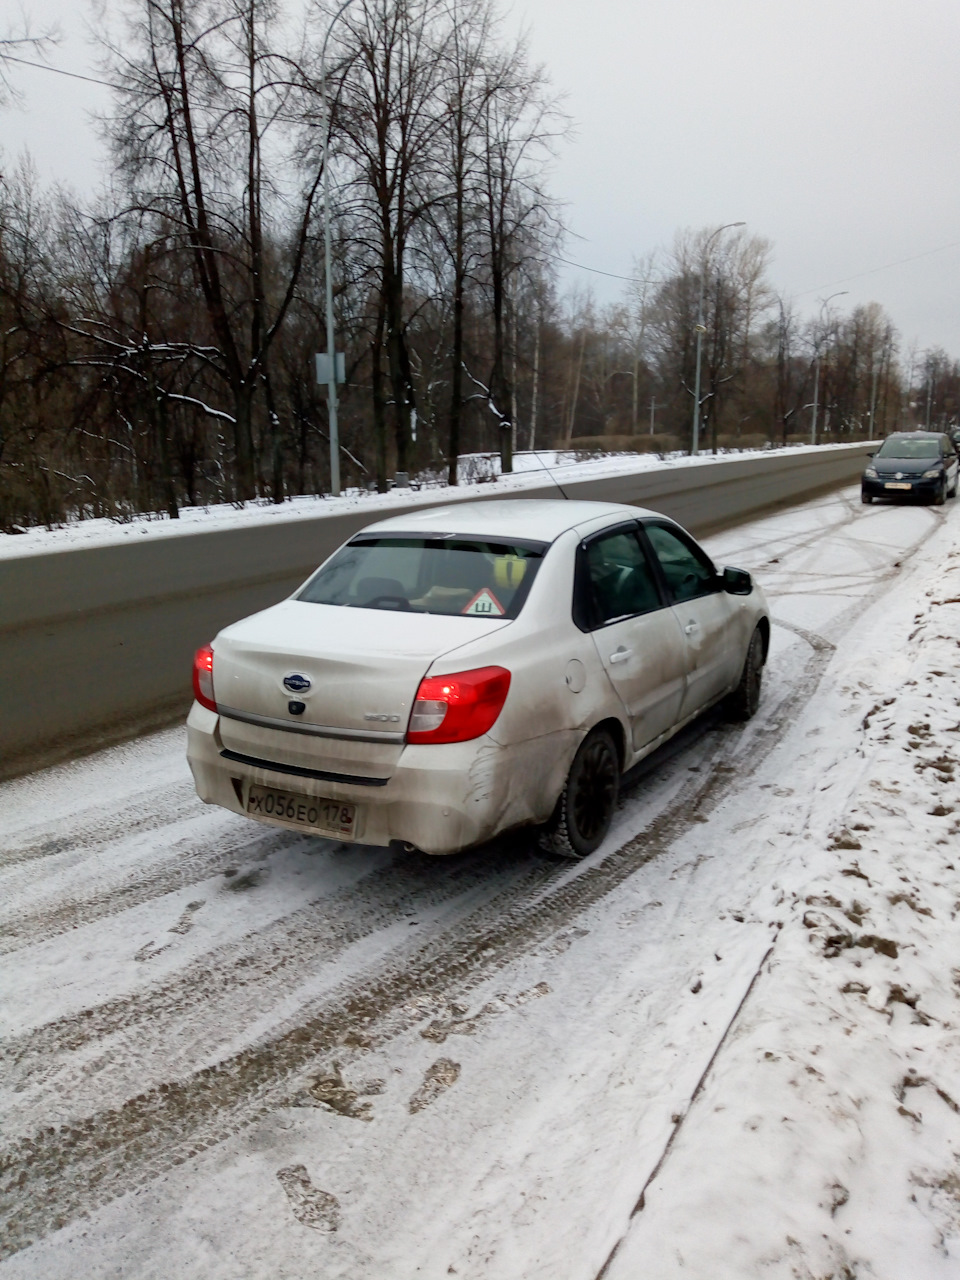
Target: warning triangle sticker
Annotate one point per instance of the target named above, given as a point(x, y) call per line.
point(484, 605)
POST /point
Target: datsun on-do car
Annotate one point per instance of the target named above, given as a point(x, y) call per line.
point(447, 675)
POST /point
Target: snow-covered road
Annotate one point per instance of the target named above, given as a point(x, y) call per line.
point(722, 1046)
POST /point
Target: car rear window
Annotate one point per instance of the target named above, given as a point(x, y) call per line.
point(907, 448)
point(472, 577)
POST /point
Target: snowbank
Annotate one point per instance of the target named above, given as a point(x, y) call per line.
point(825, 1138)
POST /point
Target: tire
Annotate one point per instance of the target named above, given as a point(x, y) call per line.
point(866, 497)
point(941, 494)
point(587, 802)
point(743, 702)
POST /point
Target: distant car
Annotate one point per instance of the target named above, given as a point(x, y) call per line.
point(453, 673)
point(912, 464)
point(954, 434)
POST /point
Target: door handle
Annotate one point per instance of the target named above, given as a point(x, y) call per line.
point(620, 655)
point(690, 628)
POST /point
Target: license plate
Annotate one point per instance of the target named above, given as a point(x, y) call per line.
point(892, 484)
point(307, 811)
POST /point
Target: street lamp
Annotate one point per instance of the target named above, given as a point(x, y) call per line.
point(700, 331)
point(331, 362)
point(816, 365)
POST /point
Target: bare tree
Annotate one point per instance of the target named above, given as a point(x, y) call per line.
point(199, 131)
point(520, 125)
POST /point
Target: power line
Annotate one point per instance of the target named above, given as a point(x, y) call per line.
point(887, 266)
point(43, 66)
point(611, 274)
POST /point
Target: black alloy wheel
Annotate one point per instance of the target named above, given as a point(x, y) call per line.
point(745, 699)
point(587, 803)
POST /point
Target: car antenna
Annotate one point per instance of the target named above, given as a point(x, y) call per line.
point(550, 474)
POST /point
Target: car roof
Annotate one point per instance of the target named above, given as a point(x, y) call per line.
point(542, 519)
point(915, 435)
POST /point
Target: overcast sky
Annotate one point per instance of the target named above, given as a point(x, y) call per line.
point(830, 127)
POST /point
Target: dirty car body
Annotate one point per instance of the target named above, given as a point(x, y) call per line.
point(433, 683)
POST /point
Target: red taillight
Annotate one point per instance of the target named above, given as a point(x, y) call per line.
point(458, 707)
point(203, 678)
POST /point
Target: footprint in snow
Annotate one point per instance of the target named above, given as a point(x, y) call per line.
point(185, 923)
point(311, 1206)
point(150, 949)
point(437, 1079)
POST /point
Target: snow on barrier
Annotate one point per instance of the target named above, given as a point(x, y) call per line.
point(96, 642)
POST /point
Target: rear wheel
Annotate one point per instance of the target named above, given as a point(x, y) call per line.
point(587, 802)
point(745, 699)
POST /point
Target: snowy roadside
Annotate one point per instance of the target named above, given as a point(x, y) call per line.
point(825, 1139)
point(531, 470)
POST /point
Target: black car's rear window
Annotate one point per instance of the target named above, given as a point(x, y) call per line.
point(905, 447)
point(472, 577)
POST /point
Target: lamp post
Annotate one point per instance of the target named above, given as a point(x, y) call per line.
point(700, 331)
point(816, 366)
point(331, 366)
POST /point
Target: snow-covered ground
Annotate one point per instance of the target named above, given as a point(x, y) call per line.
point(725, 1045)
point(479, 477)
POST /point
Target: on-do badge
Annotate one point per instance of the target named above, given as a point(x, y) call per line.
point(484, 605)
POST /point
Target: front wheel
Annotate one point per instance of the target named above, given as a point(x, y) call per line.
point(745, 699)
point(941, 496)
point(866, 497)
point(587, 802)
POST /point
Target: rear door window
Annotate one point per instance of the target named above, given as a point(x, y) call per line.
point(614, 580)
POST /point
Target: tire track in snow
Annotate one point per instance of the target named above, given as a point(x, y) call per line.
point(145, 811)
point(178, 1019)
point(186, 867)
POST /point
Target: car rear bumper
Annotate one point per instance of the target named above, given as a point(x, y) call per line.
point(436, 798)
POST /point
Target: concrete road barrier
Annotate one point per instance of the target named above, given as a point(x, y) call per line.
point(96, 643)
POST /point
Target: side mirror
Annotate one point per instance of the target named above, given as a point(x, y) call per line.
point(737, 582)
point(871, 452)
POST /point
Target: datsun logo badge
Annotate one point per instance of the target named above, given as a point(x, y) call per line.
point(296, 683)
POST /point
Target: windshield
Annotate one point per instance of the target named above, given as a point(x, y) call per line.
point(473, 577)
point(904, 447)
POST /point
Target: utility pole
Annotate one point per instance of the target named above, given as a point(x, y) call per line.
point(816, 366)
point(330, 368)
point(700, 329)
point(873, 400)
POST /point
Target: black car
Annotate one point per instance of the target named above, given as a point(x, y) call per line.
point(912, 464)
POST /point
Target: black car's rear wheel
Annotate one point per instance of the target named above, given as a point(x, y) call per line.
point(587, 802)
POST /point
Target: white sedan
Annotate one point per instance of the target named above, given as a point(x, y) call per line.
point(450, 674)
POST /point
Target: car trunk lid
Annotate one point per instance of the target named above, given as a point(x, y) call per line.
point(351, 679)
